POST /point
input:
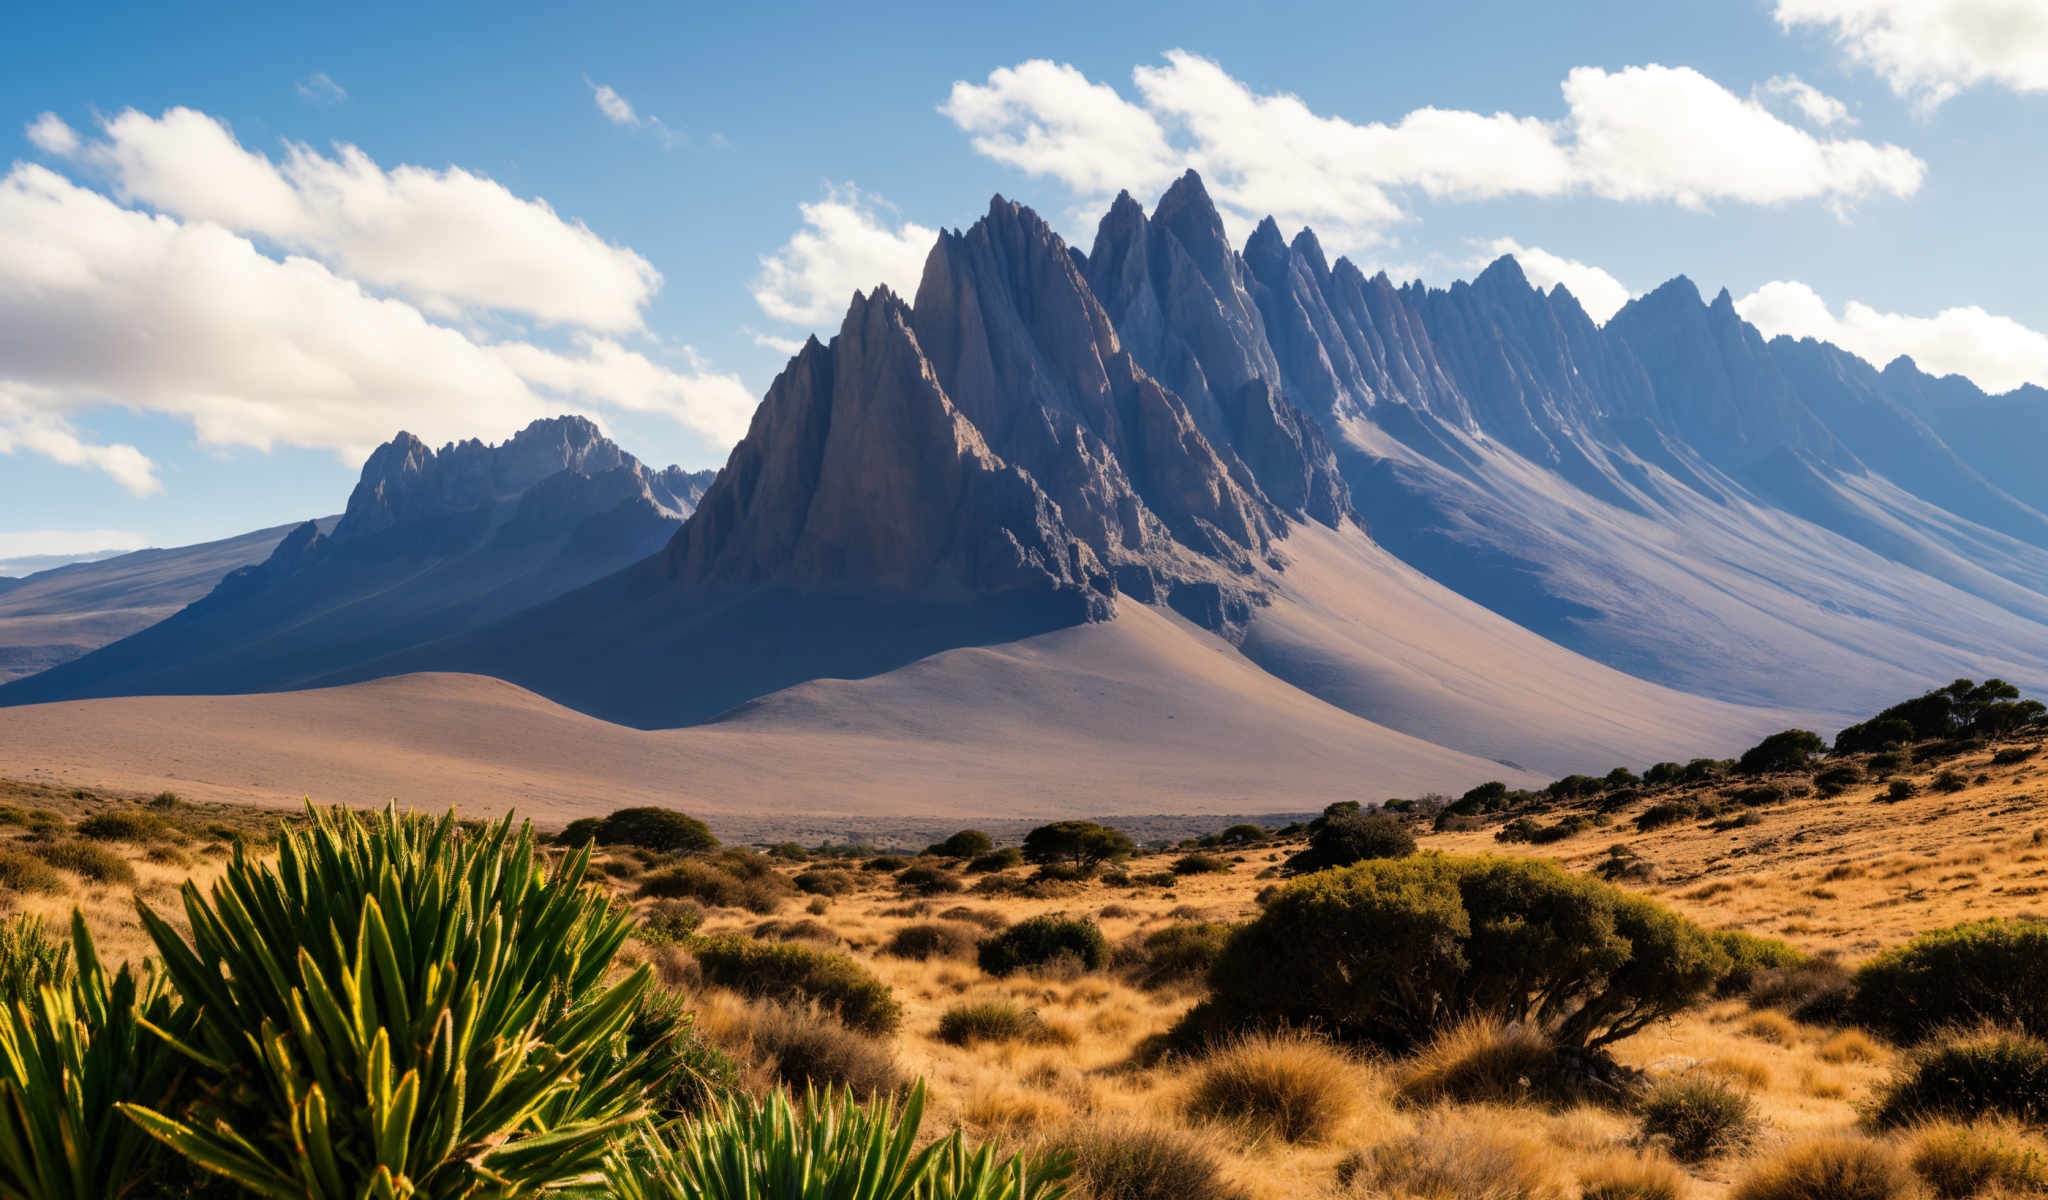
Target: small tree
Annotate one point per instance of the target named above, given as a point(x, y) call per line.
point(1787, 750)
point(1085, 844)
point(968, 843)
point(660, 829)
point(1355, 837)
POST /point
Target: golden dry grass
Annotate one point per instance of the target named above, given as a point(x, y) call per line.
point(1286, 1118)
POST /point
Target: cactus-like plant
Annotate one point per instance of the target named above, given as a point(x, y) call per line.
point(70, 1052)
point(829, 1148)
point(398, 1008)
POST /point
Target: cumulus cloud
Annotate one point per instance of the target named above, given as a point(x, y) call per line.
point(49, 134)
point(103, 304)
point(1996, 353)
point(451, 241)
point(1598, 292)
point(1929, 50)
point(318, 89)
point(846, 245)
point(1816, 106)
point(1649, 133)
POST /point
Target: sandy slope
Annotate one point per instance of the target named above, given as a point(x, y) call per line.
point(1142, 714)
point(1358, 627)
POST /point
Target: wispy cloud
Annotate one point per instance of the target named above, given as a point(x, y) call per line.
point(620, 111)
point(318, 89)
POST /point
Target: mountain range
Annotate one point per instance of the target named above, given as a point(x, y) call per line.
point(1471, 529)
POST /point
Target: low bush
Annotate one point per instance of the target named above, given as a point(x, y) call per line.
point(999, 860)
point(1181, 953)
point(1695, 1116)
point(1959, 1162)
point(670, 921)
point(885, 862)
point(2014, 755)
point(87, 860)
point(1293, 1088)
point(968, 843)
point(986, 918)
point(1900, 790)
point(1752, 958)
point(804, 1048)
point(1353, 837)
point(1951, 781)
point(699, 1074)
point(1038, 941)
point(126, 825)
point(1201, 864)
point(662, 829)
point(991, 1021)
point(931, 940)
point(1137, 1162)
point(1834, 780)
point(1669, 812)
point(715, 887)
point(928, 881)
point(1848, 1046)
point(21, 872)
point(826, 882)
point(1988, 1073)
point(782, 971)
point(804, 930)
point(1830, 1168)
point(1993, 971)
point(1465, 937)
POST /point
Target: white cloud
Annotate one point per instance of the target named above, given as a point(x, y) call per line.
point(105, 305)
point(1996, 353)
point(1598, 292)
point(1649, 133)
point(40, 543)
point(846, 246)
point(1929, 50)
point(786, 345)
point(51, 135)
point(319, 90)
point(451, 241)
point(1816, 106)
point(615, 107)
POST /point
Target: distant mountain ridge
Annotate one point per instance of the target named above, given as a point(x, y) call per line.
point(1471, 514)
point(432, 542)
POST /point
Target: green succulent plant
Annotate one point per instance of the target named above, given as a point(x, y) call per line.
point(399, 1007)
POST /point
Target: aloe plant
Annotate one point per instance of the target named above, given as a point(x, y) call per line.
point(398, 1008)
point(829, 1148)
point(69, 1054)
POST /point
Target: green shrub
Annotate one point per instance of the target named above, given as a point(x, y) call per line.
point(1752, 958)
point(828, 1148)
point(1900, 790)
point(991, 1021)
point(825, 882)
point(1353, 837)
point(699, 1074)
point(999, 860)
point(928, 881)
point(1834, 780)
point(1670, 812)
point(1241, 835)
point(428, 997)
point(1201, 864)
point(1966, 1076)
point(1696, 1116)
point(126, 825)
point(968, 843)
point(26, 873)
point(781, 971)
point(1788, 750)
point(1037, 941)
point(1951, 781)
point(87, 860)
point(1081, 844)
point(1388, 952)
point(670, 921)
point(936, 939)
point(715, 887)
point(662, 829)
point(1993, 971)
point(1182, 953)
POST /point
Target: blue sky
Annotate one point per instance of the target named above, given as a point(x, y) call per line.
point(212, 325)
